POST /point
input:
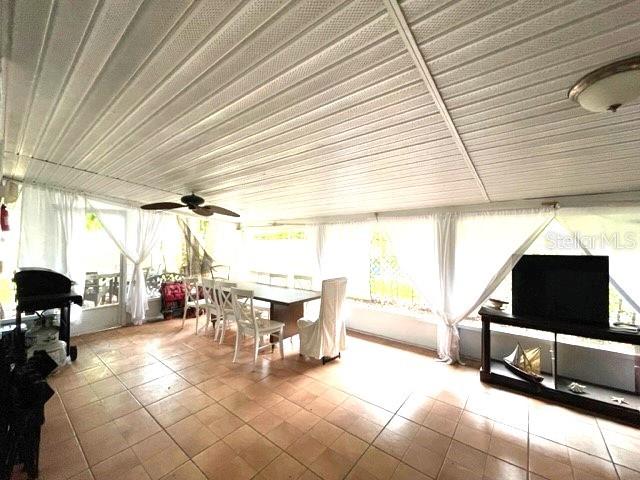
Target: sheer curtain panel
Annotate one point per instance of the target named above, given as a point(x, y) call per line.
point(456, 259)
point(225, 246)
point(135, 232)
point(613, 231)
point(343, 251)
point(52, 227)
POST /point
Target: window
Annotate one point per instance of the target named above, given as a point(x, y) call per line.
point(102, 260)
point(555, 240)
point(220, 239)
point(387, 284)
point(287, 256)
point(166, 260)
point(171, 258)
point(100, 256)
point(282, 256)
point(620, 310)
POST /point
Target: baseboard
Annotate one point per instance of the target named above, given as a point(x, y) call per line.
point(407, 345)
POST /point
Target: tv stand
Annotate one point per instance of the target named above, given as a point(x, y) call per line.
point(556, 387)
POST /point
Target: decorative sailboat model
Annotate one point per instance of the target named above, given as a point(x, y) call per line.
point(525, 363)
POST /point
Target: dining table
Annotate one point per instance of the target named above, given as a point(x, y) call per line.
point(286, 304)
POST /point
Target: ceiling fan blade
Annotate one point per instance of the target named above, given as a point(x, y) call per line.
point(161, 206)
point(204, 211)
point(220, 210)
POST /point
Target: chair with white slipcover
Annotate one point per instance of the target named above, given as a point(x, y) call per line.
point(249, 322)
point(325, 337)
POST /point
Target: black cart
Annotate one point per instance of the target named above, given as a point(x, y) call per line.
point(39, 289)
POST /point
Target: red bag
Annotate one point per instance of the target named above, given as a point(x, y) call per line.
point(172, 295)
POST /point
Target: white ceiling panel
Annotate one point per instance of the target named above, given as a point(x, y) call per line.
point(20, 74)
point(105, 32)
point(257, 82)
point(248, 39)
point(504, 77)
point(188, 35)
point(334, 107)
point(291, 109)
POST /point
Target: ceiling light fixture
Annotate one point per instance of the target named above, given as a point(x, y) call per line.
point(608, 87)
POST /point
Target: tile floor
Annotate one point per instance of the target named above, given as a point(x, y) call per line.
point(157, 402)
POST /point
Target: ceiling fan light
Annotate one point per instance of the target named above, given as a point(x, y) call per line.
point(608, 87)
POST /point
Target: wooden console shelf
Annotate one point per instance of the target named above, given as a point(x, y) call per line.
point(597, 398)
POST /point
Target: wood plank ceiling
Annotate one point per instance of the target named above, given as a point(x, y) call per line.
point(291, 109)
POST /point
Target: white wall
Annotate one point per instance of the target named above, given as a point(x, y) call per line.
point(403, 328)
point(97, 319)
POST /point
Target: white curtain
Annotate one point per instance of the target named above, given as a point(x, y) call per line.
point(612, 231)
point(135, 232)
point(414, 245)
point(52, 227)
point(456, 259)
point(343, 251)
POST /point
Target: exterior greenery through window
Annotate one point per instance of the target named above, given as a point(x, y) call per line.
point(387, 284)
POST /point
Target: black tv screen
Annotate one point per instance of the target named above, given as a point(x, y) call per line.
point(563, 288)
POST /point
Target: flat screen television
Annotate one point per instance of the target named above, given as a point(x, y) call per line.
point(562, 288)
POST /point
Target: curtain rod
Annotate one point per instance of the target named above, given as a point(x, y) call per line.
point(631, 197)
point(628, 198)
point(115, 201)
point(102, 198)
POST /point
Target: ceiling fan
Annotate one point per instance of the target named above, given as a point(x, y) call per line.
point(194, 203)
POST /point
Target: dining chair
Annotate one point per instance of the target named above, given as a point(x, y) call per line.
point(302, 282)
point(323, 338)
point(248, 322)
point(278, 280)
point(191, 298)
point(225, 302)
point(211, 304)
